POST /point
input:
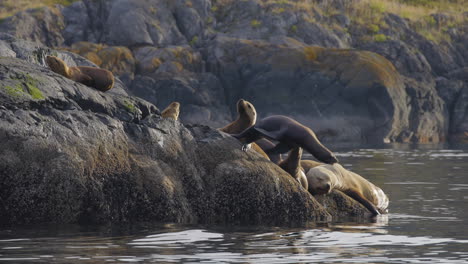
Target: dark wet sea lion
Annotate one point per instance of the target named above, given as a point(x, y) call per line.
point(292, 165)
point(267, 145)
point(290, 134)
point(100, 79)
point(322, 179)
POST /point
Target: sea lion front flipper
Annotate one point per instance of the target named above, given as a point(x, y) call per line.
point(361, 199)
point(85, 79)
point(248, 136)
point(275, 135)
point(280, 148)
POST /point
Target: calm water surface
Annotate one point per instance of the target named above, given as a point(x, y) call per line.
point(427, 223)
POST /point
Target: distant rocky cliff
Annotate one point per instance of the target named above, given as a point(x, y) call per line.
point(396, 86)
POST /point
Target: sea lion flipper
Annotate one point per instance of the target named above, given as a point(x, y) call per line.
point(361, 199)
point(275, 135)
point(85, 79)
point(280, 148)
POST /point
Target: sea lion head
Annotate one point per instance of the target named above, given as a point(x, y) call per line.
point(175, 105)
point(57, 65)
point(246, 109)
point(320, 180)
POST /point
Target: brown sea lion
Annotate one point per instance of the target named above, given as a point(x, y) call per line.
point(171, 111)
point(309, 164)
point(100, 79)
point(292, 165)
point(322, 179)
point(267, 145)
point(290, 134)
point(246, 117)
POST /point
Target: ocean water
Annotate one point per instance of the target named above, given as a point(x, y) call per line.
point(427, 223)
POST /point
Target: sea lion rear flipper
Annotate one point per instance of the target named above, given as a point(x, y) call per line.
point(280, 148)
point(358, 197)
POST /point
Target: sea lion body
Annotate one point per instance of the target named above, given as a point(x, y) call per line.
point(290, 134)
point(292, 165)
point(100, 79)
point(324, 178)
point(171, 111)
point(266, 145)
point(246, 117)
point(309, 164)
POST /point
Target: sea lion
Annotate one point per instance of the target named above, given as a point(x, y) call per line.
point(100, 79)
point(322, 179)
point(292, 165)
point(309, 164)
point(267, 145)
point(171, 111)
point(246, 117)
point(290, 134)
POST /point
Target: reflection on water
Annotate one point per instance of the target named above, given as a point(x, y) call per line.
point(428, 193)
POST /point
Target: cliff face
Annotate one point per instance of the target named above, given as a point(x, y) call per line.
point(69, 153)
point(367, 82)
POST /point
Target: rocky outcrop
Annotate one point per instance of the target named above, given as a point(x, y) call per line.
point(208, 54)
point(69, 153)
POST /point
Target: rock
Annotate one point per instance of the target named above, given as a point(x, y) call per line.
point(70, 153)
point(409, 62)
point(202, 95)
point(354, 94)
point(119, 60)
point(454, 92)
point(123, 23)
point(181, 44)
point(42, 25)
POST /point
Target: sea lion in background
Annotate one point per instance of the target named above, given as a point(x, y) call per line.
point(292, 165)
point(322, 179)
point(246, 117)
point(290, 134)
point(171, 111)
point(100, 79)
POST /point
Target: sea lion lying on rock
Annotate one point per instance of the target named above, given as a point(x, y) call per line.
point(324, 178)
point(100, 79)
point(290, 134)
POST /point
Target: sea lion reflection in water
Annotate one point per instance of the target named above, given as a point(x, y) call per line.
point(290, 134)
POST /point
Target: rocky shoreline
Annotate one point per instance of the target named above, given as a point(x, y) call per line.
point(72, 154)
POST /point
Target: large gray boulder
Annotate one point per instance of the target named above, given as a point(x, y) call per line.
point(42, 25)
point(69, 153)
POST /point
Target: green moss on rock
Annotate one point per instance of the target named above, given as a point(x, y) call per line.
point(14, 91)
point(129, 106)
